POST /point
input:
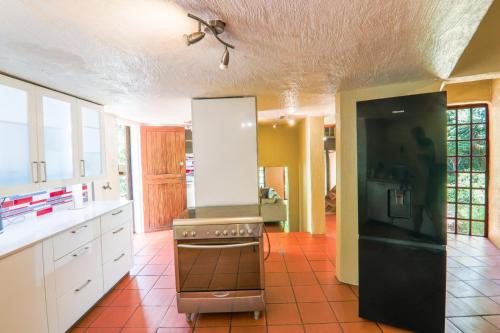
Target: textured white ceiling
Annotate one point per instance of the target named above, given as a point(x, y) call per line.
point(130, 54)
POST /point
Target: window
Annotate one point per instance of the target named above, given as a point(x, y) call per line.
point(467, 165)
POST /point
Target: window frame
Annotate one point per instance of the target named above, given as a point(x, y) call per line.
point(470, 156)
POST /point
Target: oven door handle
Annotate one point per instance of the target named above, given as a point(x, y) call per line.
point(207, 247)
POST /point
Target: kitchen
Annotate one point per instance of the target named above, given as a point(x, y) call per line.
point(136, 138)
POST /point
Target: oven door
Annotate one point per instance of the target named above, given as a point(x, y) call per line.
point(219, 265)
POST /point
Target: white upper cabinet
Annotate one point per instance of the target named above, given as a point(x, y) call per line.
point(18, 152)
point(91, 141)
point(57, 139)
point(47, 138)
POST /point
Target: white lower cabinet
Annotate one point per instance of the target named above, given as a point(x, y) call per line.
point(84, 263)
point(73, 304)
point(22, 292)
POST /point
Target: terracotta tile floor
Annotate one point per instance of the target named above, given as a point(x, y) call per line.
point(303, 295)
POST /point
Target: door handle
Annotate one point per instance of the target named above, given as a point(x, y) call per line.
point(221, 294)
point(35, 172)
point(119, 257)
point(117, 231)
point(81, 252)
point(83, 286)
point(208, 247)
point(82, 168)
point(118, 212)
point(77, 230)
point(44, 164)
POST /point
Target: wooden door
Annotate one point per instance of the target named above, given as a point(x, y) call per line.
point(163, 175)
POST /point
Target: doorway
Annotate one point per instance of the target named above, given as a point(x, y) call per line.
point(273, 197)
point(163, 175)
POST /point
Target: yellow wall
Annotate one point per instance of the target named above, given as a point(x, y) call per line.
point(279, 147)
point(469, 92)
point(494, 166)
point(347, 191)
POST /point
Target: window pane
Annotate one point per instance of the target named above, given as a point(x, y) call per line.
point(463, 227)
point(91, 127)
point(463, 132)
point(452, 116)
point(451, 210)
point(477, 228)
point(452, 179)
point(463, 164)
point(478, 180)
point(479, 148)
point(479, 164)
point(464, 116)
point(479, 115)
point(451, 225)
point(57, 134)
point(452, 148)
point(451, 164)
point(463, 211)
point(452, 132)
point(464, 148)
point(463, 196)
point(479, 131)
point(451, 193)
point(478, 212)
point(14, 160)
point(479, 196)
point(463, 179)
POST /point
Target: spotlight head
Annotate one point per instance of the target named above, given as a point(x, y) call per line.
point(195, 37)
point(291, 121)
point(225, 59)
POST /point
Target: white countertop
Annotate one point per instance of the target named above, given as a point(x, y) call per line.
point(20, 235)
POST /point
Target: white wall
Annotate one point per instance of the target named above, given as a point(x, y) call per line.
point(225, 151)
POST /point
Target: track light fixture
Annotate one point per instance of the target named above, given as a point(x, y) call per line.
point(225, 60)
point(215, 27)
point(195, 37)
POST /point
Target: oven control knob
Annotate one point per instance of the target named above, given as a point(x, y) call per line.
point(250, 231)
point(185, 234)
point(233, 232)
point(242, 232)
point(217, 233)
point(193, 233)
point(225, 232)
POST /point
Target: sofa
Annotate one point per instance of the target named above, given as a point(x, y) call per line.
point(272, 207)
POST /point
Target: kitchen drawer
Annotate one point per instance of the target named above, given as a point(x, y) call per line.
point(116, 268)
point(117, 217)
point(74, 238)
point(72, 305)
point(84, 261)
point(116, 241)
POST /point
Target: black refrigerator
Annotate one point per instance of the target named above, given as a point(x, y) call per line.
point(401, 155)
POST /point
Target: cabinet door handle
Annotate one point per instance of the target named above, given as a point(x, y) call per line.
point(83, 286)
point(117, 231)
point(81, 252)
point(44, 164)
point(82, 168)
point(35, 172)
point(118, 212)
point(119, 257)
point(79, 229)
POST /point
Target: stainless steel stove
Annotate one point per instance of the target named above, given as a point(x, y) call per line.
point(219, 260)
